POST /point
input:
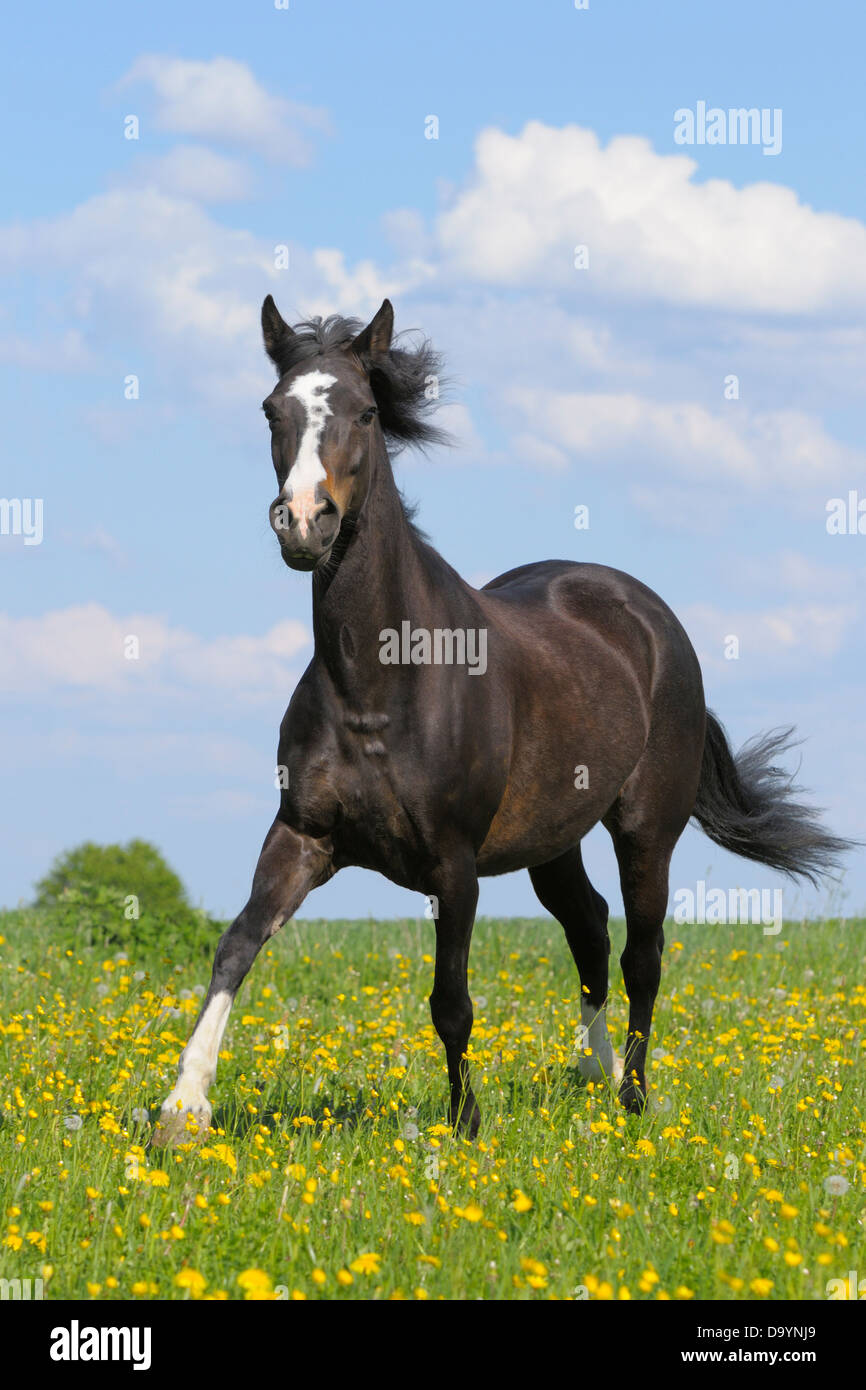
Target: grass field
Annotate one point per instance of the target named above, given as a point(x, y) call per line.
point(332, 1174)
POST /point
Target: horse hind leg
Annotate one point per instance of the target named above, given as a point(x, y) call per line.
point(563, 888)
point(644, 856)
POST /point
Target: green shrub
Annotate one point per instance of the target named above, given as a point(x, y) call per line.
point(121, 896)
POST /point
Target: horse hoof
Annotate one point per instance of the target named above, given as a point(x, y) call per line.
point(467, 1123)
point(632, 1097)
point(173, 1127)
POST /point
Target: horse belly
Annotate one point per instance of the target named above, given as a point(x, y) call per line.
point(555, 794)
point(520, 837)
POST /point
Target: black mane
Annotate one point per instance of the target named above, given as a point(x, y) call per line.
point(398, 380)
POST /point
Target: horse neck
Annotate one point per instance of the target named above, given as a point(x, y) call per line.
point(379, 580)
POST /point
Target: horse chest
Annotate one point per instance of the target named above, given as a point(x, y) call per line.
point(375, 829)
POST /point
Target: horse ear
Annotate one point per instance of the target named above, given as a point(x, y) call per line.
point(375, 339)
point(275, 330)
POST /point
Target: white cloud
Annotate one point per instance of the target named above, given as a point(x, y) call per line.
point(68, 352)
point(101, 541)
point(540, 453)
point(147, 267)
point(187, 266)
point(342, 290)
point(83, 648)
point(791, 572)
point(760, 449)
point(652, 231)
point(791, 636)
point(221, 99)
point(193, 171)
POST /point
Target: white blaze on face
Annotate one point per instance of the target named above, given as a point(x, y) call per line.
point(311, 390)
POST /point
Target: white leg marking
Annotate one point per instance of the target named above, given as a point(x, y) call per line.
point(593, 1034)
point(198, 1063)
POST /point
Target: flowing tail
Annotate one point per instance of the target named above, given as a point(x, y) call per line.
point(746, 805)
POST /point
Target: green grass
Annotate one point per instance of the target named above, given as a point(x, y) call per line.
point(330, 1105)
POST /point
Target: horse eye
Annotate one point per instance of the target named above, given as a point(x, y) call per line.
point(368, 415)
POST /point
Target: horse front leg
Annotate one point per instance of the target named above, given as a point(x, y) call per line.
point(289, 865)
point(456, 892)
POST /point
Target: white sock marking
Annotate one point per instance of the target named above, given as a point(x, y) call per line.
point(593, 1033)
point(198, 1060)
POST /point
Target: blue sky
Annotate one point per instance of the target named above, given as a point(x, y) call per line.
point(603, 386)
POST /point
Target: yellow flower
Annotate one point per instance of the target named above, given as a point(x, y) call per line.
point(192, 1280)
point(223, 1153)
point(344, 1277)
point(761, 1287)
point(647, 1280)
point(93, 1193)
point(366, 1264)
point(470, 1213)
point(94, 1289)
point(521, 1201)
point(319, 1277)
point(256, 1284)
point(415, 1218)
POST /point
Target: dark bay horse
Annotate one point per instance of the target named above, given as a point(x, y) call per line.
point(443, 732)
